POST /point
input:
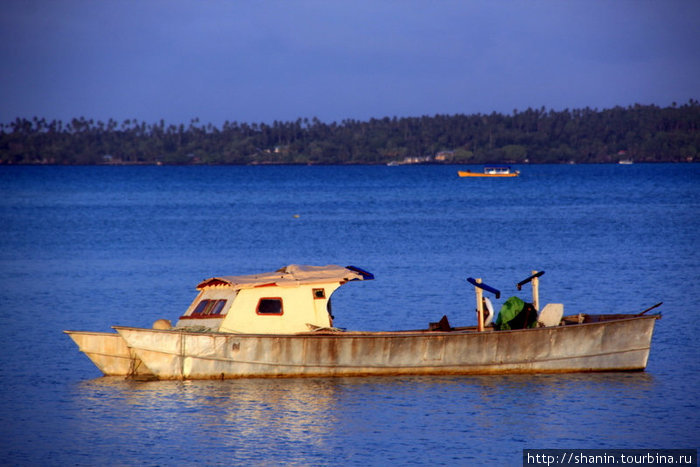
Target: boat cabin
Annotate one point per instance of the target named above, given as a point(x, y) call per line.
point(293, 299)
point(497, 169)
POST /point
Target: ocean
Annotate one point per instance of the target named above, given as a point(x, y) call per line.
point(86, 248)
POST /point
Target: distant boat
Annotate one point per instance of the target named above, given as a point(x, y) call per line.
point(491, 171)
point(626, 162)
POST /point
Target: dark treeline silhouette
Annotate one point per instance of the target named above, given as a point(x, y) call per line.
point(644, 133)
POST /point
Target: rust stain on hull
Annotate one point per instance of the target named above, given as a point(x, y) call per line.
point(109, 353)
point(620, 344)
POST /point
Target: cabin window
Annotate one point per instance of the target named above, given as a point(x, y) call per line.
point(319, 293)
point(216, 310)
point(209, 308)
point(270, 306)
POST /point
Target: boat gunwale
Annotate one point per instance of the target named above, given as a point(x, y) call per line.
point(100, 333)
point(470, 330)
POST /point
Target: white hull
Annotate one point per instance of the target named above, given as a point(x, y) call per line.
point(109, 352)
point(619, 344)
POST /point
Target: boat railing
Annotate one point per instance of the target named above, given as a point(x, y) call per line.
point(534, 279)
point(480, 286)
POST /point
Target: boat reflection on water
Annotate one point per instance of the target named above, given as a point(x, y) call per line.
point(295, 410)
point(256, 419)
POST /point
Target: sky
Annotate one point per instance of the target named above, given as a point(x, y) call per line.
point(260, 61)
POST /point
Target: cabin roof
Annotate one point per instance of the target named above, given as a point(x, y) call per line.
point(291, 276)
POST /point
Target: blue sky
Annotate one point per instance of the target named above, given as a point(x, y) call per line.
point(260, 61)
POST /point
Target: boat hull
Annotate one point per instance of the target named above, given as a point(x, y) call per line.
point(617, 345)
point(463, 173)
point(109, 352)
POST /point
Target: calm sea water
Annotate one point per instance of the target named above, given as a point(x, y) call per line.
point(91, 247)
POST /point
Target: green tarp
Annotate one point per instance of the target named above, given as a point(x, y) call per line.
point(516, 314)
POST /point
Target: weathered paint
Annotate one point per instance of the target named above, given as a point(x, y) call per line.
point(305, 292)
point(619, 344)
point(297, 340)
point(301, 309)
point(109, 352)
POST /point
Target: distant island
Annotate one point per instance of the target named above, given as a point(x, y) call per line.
point(639, 133)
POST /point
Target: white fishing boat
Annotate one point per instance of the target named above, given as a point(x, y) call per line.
point(280, 324)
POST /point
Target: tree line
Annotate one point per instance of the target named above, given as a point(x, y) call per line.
point(644, 133)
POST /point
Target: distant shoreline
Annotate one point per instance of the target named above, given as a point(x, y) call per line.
point(450, 164)
point(535, 136)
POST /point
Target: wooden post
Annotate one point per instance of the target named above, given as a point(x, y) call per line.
point(479, 308)
point(536, 292)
